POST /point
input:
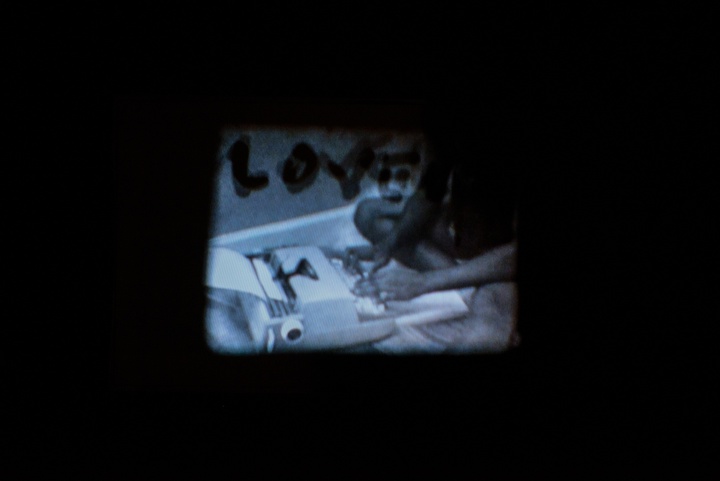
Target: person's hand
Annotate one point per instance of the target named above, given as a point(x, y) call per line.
point(382, 253)
point(394, 285)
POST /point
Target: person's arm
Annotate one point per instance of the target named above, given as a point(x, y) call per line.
point(496, 265)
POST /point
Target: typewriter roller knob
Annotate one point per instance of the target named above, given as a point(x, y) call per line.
point(291, 330)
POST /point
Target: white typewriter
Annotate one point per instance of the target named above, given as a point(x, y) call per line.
point(296, 298)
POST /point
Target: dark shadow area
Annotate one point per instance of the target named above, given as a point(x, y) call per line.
point(609, 202)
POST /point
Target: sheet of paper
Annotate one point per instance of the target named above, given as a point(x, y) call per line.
point(432, 307)
point(443, 299)
point(229, 270)
point(266, 280)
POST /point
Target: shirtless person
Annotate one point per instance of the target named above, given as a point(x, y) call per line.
point(456, 231)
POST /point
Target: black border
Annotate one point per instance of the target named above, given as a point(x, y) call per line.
point(591, 392)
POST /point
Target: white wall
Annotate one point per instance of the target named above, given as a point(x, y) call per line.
point(268, 148)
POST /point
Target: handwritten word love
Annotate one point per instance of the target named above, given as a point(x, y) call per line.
point(300, 169)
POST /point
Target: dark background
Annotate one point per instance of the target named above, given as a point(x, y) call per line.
point(596, 385)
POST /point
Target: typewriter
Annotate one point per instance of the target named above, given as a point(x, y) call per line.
point(297, 298)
